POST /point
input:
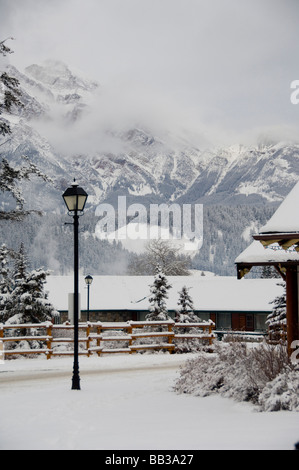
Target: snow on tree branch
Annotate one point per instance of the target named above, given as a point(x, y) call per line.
point(9, 177)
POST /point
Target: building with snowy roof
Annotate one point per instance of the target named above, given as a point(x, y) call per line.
point(230, 303)
point(277, 244)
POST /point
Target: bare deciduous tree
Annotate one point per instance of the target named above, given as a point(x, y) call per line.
point(160, 253)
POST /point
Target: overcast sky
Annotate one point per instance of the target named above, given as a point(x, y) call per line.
point(221, 68)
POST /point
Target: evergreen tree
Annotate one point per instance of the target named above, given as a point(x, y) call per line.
point(10, 93)
point(185, 313)
point(11, 177)
point(5, 271)
point(21, 264)
point(276, 320)
point(268, 272)
point(6, 283)
point(158, 309)
point(28, 301)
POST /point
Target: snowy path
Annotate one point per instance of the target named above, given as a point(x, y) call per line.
point(126, 402)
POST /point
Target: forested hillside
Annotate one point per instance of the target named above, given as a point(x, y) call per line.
point(49, 242)
point(227, 232)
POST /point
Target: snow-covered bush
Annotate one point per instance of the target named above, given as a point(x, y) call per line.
point(282, 393)
point(222, 372)
point(244, 373)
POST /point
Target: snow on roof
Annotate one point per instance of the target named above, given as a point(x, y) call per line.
point(256, 253)
point(132, 292)
point(286, 218)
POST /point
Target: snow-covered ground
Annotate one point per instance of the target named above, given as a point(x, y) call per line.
point(126, 402)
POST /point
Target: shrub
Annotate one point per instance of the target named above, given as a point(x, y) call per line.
point(257, 374)
point(282, 393)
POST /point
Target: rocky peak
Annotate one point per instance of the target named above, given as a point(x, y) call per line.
point(59, 77)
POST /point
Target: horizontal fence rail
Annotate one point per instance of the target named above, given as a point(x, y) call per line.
point(102, 337)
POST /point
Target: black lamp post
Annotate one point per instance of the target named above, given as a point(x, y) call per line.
point(75, 200)
point(88, 281)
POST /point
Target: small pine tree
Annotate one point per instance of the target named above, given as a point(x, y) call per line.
point(158, 309)
point(185, 314)
point(276, 320)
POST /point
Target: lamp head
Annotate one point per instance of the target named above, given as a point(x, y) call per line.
point(88, 280)
point(75, 198)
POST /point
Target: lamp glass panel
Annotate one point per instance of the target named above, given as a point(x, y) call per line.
point(75, 201)
point(81, 200)
point(71, 202)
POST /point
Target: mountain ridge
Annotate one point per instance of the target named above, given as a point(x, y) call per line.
point(62, 129)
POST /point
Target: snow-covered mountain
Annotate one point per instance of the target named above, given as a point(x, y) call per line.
point(238, 174)
point(63, 129)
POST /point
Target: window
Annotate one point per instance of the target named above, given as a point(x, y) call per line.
point(249, 322)
point(203, 316)
point(260, 322)
point(223, 321)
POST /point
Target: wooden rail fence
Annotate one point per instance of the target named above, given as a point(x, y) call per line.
point(99, 336)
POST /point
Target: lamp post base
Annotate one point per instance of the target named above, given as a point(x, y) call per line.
point(76, 383)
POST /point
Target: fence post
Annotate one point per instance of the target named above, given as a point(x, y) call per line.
point(2, 356)
point(49, 340)
point(210, 335)
point(170, 330)
point(130, 332)
point(99, 329)
point(88, 339)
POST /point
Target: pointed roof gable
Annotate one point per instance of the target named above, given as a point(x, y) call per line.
point(286, 218)
point(272, 246)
